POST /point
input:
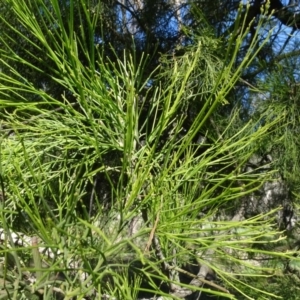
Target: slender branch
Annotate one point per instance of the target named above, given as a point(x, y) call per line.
point(197, 281)
point(33, 118)
point(272, 62)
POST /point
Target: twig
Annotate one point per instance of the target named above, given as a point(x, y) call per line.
point(151, 234)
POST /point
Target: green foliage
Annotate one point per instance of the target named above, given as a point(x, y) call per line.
point(280, 91)
point(81, 170)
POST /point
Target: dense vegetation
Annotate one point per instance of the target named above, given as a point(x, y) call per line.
point(149, 148)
